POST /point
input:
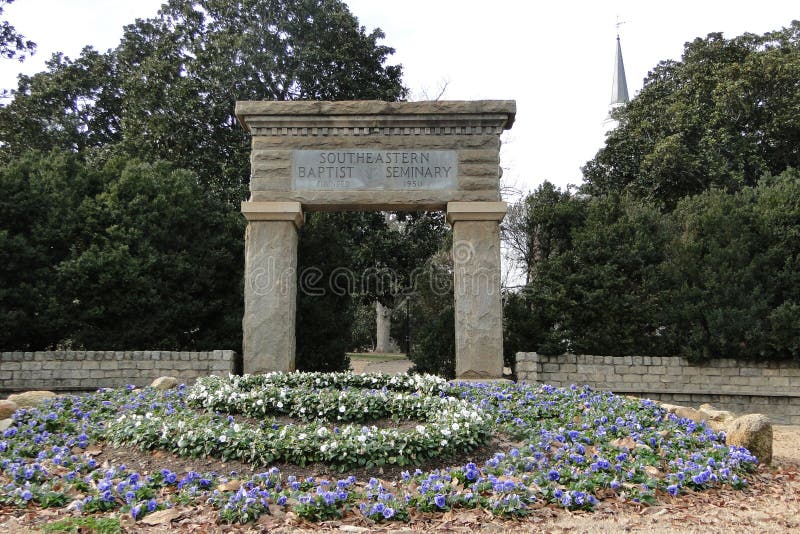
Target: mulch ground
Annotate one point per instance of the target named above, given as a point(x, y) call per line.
point(771, 503)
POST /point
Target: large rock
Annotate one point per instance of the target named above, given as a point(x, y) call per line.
point(754, 433)
point(716, 419)
point(164, 382)
point(31, 399)
point(690, 413)
point(5, 423)
point(7, 408)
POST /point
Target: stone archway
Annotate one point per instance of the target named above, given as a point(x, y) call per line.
point(372, 155)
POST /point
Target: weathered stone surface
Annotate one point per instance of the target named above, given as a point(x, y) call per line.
point(379, 140)
point(270, 292)
point(290, 139)
point(164, 382)
point(479, 156)
point(383, 326)
point(718, 416)
point(375, 200)
point(690, 413)
point(247, 109)
point(5, 423)
point(754, 433)
point(7, 408)
point(30, 399)
point(478, 308)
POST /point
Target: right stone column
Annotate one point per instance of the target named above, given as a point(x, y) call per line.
point(476, 277)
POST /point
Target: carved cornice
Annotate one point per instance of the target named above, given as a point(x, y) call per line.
point(374, 118)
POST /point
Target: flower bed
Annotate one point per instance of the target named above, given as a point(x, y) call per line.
point(567, 448)
point(451, 425)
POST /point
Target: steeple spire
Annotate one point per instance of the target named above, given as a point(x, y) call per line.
point(619, 87)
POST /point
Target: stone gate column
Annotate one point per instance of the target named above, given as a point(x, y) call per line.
point(476, 277)
point(270, 285)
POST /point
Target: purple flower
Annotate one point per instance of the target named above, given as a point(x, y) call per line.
point(27, 495)
point(388, 512)
point(439, 500)
point(672, 490)
point(152, 504)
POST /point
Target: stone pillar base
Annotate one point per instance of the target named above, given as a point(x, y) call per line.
point(476, 275)
point(270, 288)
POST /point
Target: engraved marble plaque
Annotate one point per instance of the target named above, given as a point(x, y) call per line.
point(374, 170)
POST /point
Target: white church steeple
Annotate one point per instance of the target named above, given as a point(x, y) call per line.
point(619, 87)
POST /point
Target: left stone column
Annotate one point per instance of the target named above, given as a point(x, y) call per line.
point(270, 285)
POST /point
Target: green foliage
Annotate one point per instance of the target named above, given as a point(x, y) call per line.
point(121, 254)
point(540, 226)
point(41, 198)
point(601, 295)
point(722, 117)
point(12, 43)
point(96, 525)
point(110, 258)
point(324, 301)
point(432, 318)
point(168, 90)
point(717, 277)
point(734, 266)
point(363, 328)
point(139, 277)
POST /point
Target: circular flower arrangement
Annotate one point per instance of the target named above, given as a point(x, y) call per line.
point(333, 408)
point(568, 447)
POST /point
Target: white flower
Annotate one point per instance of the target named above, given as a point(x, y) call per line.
point(322, 431)
point(443, 443)
point(237, 427)
point(223, 438)
point(302, 436)
point(342, 409)
point(456, 426)
point(279, 405)
point(362, 438)
point(420, 429)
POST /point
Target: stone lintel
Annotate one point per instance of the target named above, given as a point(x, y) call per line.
point(476, 211)
point(274, 211)
point(374, 113)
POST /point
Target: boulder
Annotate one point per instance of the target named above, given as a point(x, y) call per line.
point(7, 408)
point(754, 433)
point(31, 399)
point(5, 423)
point(669, 407)
point(164, 382)
point(689, 413)
point(716, 416)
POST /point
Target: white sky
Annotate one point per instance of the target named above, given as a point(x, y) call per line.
point(554, 58)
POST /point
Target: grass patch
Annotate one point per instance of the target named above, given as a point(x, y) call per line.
point(98, 525)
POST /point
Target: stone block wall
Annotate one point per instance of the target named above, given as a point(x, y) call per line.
point(772, 388)
point(90, 370)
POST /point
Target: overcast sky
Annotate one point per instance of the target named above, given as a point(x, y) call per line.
point(554, 58)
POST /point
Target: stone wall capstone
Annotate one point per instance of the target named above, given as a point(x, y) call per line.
point(772, 388)
point(90, 370)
